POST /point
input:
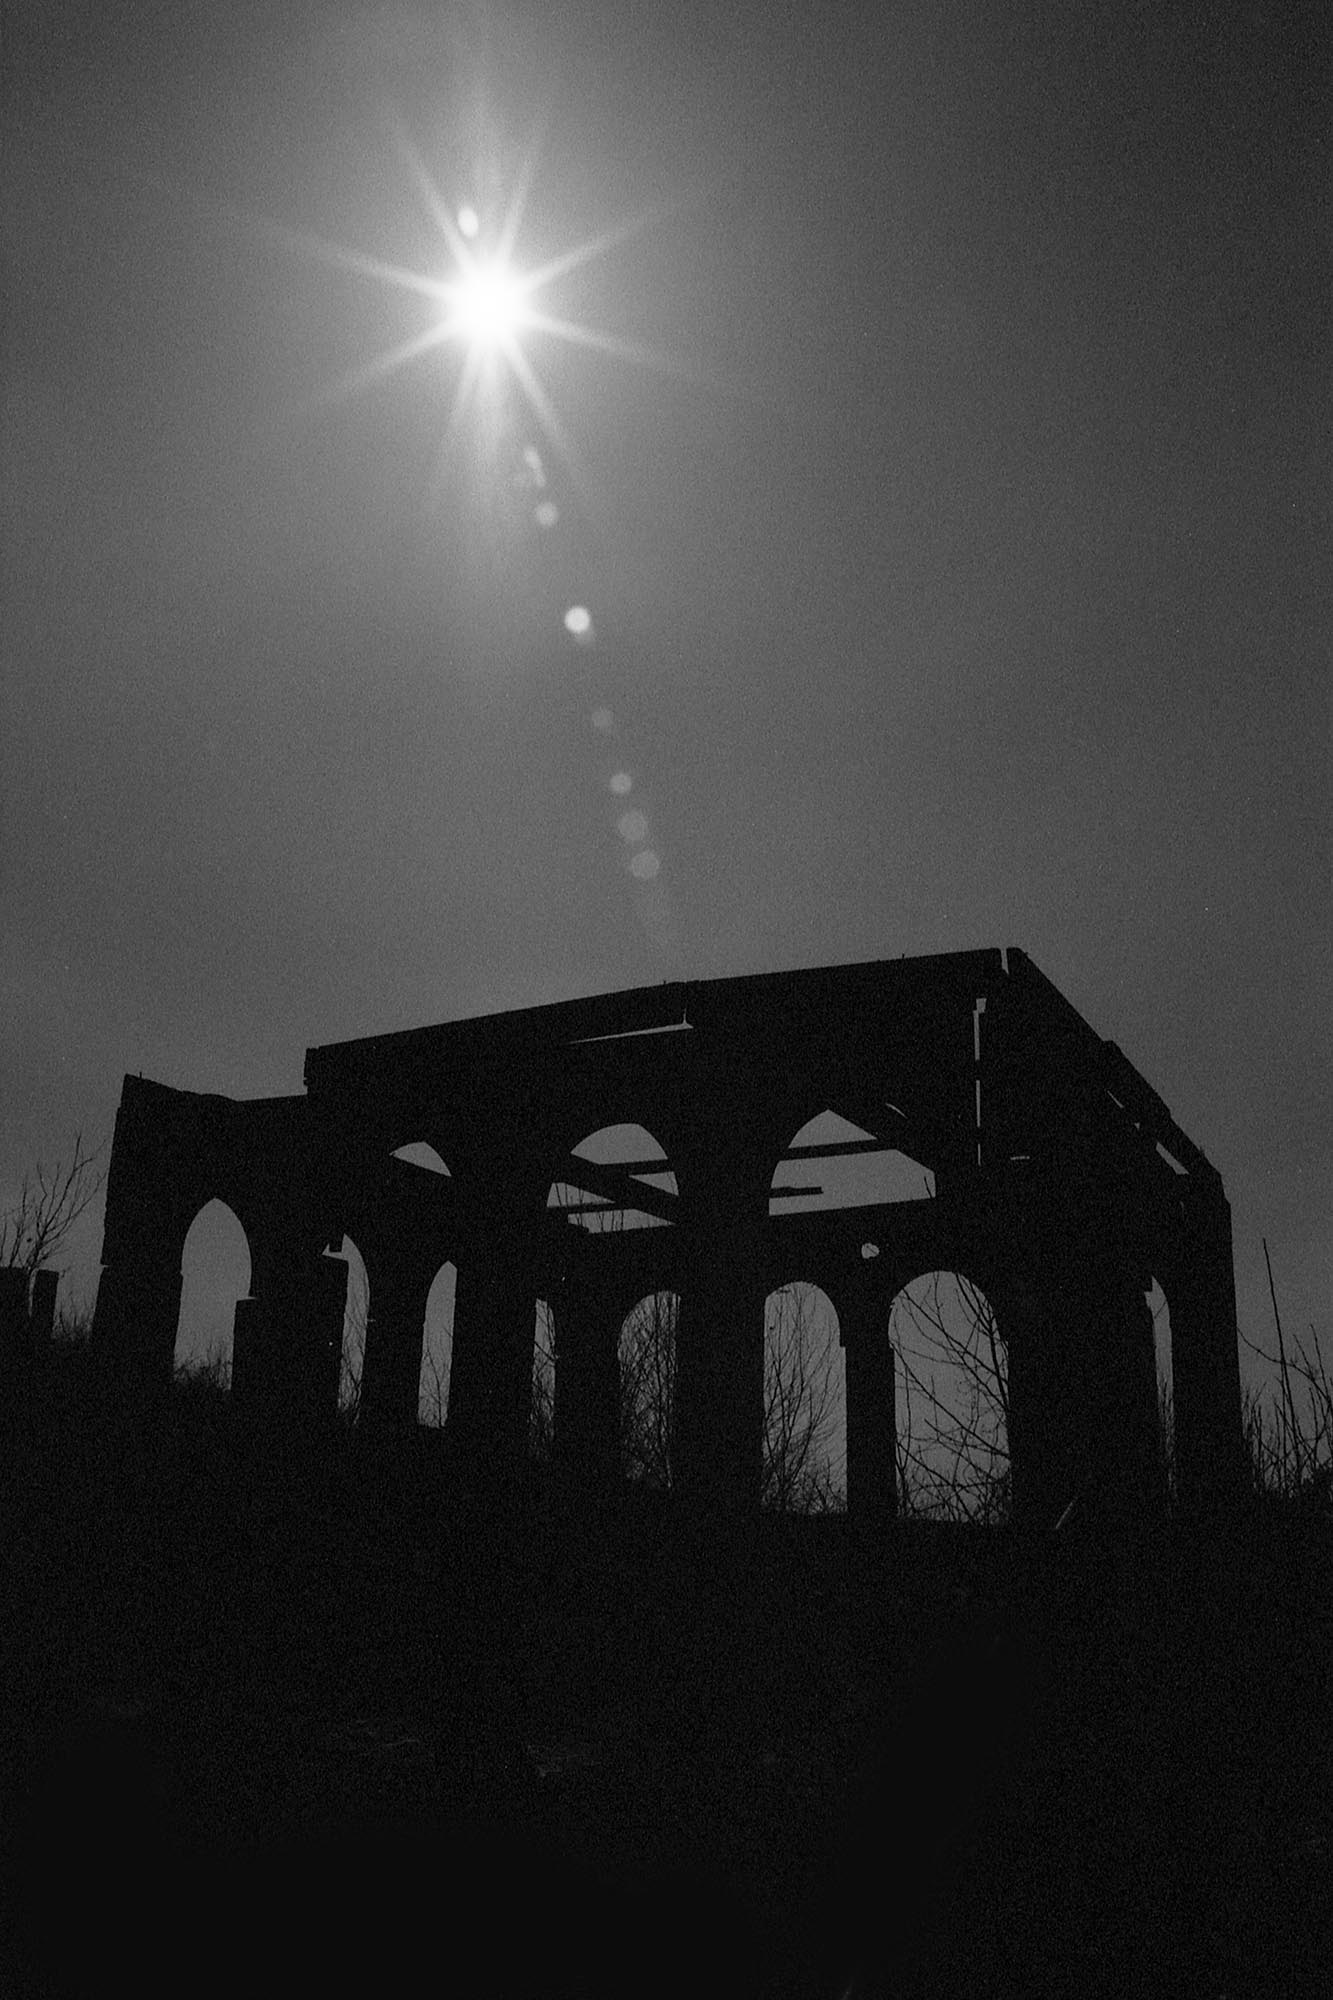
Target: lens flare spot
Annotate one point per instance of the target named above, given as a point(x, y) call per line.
point(546, 513)
point(535, 472)
point(603, 720)
point(621, 783)
point(469, 222)
point(578, 622)
point(633, 825)
point(645, 865)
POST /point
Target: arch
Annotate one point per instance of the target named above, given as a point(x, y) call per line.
point(853, 1168)
point(437, 1347)
point(646, 1352)
point(216, 1267)
point(598, 1181)
point(805, 1402)
point(952, 1399)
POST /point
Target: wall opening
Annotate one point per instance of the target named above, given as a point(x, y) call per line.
point(805, 1403)
point(1161, 1340)
point(541, 1416)
point(355, 1315)
point(420, 1154)
point(617, 1178)
point(952, 1398)
point(648, 1390)
point(437, 1347)
point(215, 1273)
point(843, 1165)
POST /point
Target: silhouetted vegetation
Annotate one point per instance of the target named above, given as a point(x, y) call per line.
point(339, 1697)
point(36, 1225)
point(284, 1674)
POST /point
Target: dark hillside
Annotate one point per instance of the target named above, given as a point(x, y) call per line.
point(274, 1715)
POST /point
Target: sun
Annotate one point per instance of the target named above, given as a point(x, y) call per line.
point(488, 304)
point(486, 307)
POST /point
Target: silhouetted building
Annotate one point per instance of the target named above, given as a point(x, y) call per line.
point(1062, 1188)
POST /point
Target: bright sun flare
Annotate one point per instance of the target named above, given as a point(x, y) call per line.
point(486, 307)
point(488, 304)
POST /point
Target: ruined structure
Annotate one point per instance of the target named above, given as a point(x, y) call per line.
point(1062, 1187)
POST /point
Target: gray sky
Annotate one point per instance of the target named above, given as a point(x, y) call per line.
point(964, 581)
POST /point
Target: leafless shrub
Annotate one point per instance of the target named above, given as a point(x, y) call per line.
point(204, 1374)
point(541, 1416)
point(50, 1201)
point(953, 1439)
point(648, 1390)
point(1288, 1429)
point(799, 1408)
point(351, 1362)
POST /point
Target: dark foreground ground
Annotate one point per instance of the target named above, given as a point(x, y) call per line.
point(273, 1725)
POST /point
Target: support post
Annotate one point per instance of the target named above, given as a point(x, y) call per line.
point(720, 1378)
point(490, 1384)
point(136, 1318)
point(1205, 1364)
point(872, 1415)
point(391, 1363)
point(587, 1396)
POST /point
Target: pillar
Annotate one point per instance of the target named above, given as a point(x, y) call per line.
point(1038, 1310)
point(720, 1374)
point(587, 1394)
point(136, 1318)
point(252, 1385)
point(872, 1415)
point(287, 1338)
point(391, 1363)
point(43, 1317)
point(13, 1310)
point(1112, 1384)
point(13, 1337)
point(490, 1377)
point(1205, 1365)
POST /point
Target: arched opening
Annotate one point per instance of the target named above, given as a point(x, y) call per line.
point(617, 1178)
point(355, 1315)
point(832, 1163)
point(1166, 1407)
point(805, 1403)
point(420, 1154)
point(952, 1400)
point(541, 1416)
point(215, 1273)
point(437, 1346)
point(647, 1352)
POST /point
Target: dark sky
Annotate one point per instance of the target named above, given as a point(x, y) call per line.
point(964, 581)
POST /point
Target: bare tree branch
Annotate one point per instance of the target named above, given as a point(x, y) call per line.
point(34, 1230)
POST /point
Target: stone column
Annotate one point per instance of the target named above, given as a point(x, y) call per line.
point(328, 1314)
point(587, 1394)
point(490, 1380)
point(43, 1319)
point(13, 1310)
point(287, 1338)
point(13, 1339)
point(1038, 1314)
point(253, 1384)
point(872, 1416)
point(391, 1363)
point(1131, 1456)
point(136, 1317)
point(720, 1371)
point(1205, 1365)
